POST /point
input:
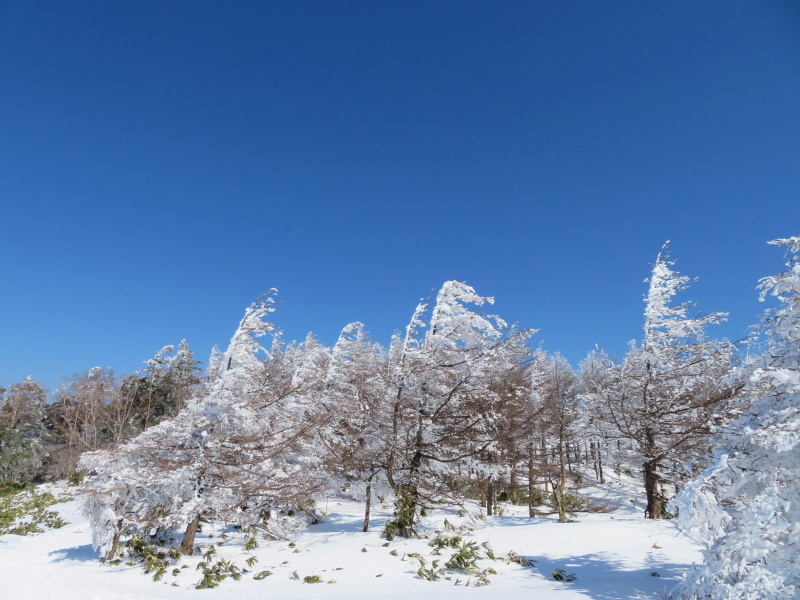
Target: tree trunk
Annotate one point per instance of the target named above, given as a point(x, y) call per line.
point(545, 459)
point(565, 451)
point(112, 552)
point(655, 500)
point(600, 467)
point(187, 545)
point(405, 512)
point(531, 508)
point(558, 496)
point(513, 488)
point(368, 503)
point(490, 496)
point(407, 500)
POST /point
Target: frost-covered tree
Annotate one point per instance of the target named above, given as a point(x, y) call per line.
point(444, 407)
point(666, 395)
point(555, 403)
point(355, 391)
point(241, 450)
point(746, 506)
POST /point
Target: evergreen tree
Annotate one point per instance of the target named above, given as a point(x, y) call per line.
point(242, 451)
point(355, 390)
point(23, 433)
point(161, 390)
point(666, 396)
point(444, 405)
point(554, 394)
point(746, 506)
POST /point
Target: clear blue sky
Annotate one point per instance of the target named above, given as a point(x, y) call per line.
point(162, 163)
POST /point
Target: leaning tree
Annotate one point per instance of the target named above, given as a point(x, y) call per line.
point(443, 407)
point(241, 450)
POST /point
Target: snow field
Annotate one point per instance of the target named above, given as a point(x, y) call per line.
point(612, 555)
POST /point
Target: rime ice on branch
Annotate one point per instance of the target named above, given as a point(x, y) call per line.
point(665, 397)
point(242, 450)
point(746, 506)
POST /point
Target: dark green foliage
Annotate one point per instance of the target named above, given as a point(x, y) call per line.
point(432, 573)
point(463, 561)
point(465, 558)
point(76, 478)
point(25, 513)
point(574, 503)
point(9, 488)
point(403, 523)
point(562, 575)
point(440, 542)
point(214, 573)
point(251, 543)
point(153, 553)
point(520, 560)
point(162, 389)
point(538, 497)
point(24, 436)
point(146, 550)
point(517, 497)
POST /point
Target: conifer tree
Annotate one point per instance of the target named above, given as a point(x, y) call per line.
point(355, 391)
point(444, 406)
point(23, 433)
point(242, 449)
point(667, 394)
point(554, 394)
point(746, 506)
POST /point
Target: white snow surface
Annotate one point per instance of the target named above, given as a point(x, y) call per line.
point(612, 555)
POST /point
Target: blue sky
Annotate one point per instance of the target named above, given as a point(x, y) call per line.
point(162, 163)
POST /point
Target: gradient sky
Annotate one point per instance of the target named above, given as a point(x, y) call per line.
point(162, 163)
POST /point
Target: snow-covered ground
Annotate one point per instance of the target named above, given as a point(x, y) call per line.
point(612, 555)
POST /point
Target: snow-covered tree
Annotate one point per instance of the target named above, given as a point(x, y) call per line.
point(356, 391)
point(241, 450)
point(554, 398)
point(746, 506)
point(666, 395)
point(444, 407)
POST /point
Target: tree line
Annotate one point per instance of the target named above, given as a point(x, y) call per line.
point(42, 440)
point(458, 405)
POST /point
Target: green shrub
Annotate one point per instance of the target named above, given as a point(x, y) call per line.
point(401, 525)
point(25, 512)
point(574, 503)
point(76, 478)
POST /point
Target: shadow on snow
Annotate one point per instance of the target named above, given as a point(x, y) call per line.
point(83, 553)
point(604, 578)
